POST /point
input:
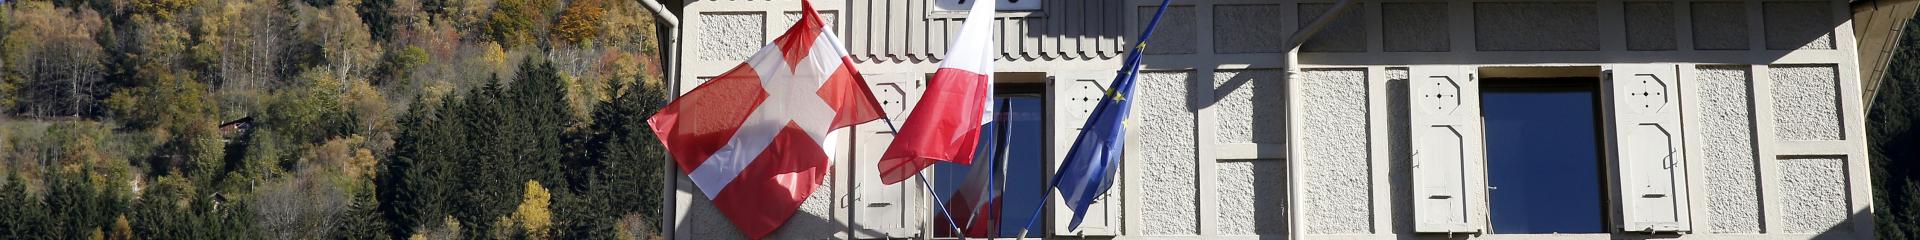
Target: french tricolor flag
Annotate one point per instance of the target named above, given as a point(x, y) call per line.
point(945, 124)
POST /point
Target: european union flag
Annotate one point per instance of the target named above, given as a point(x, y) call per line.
point(1088, 171)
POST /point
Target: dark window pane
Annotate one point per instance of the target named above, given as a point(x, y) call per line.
point(1014, 144)
point(1543, 160)
point(1024, 165)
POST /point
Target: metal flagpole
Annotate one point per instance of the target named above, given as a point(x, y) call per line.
point(1132, 67)
point(927, 185)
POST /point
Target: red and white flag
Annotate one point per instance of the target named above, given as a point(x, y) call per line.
point(945, 124)
point(756, 139)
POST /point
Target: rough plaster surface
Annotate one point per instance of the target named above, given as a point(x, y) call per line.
point(1536, 26)
point(1337, 182)
point(1733, 189)
point(1806, 104)
point(1347, 34)
point(731, 36)
point(1816, 193)
point(1796, 25)
point(1415, 27)
point(1176, 33)
point(1247, 29)
point(813, 220)
point(1252, 197)
point(1400, 150)
point(833, 20)
point(1171, 207)
point(706, 221)
point(1650, 26)
point(1252, 106)
point(1719, 25)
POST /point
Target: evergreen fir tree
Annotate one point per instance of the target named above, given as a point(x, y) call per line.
point(27, 217)
point(410, 188)
point(489, 169)
point(1892, 140)
point(362, 219)
point(540, 117)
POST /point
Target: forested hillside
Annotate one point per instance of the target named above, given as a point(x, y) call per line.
point(1894, 143)
point(328, 119)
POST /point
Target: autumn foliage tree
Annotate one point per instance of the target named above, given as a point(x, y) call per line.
point(349, 119)
point(579, 23)
point(52, 65)
point(516, 23)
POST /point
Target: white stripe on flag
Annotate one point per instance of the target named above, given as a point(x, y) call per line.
point(973, 49)
point(773, 114)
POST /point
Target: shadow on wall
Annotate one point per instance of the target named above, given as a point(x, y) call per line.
point(1268, 201)
point(1268, 217)
point(705, 221)
point(1252, 192)
point(1070, 30)
point(1571, 30)
point(1400, 157)
point(915, 32)
point(1245, 101)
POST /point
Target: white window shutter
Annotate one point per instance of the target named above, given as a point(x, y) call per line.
point(1650, 163)
point(883, 211)
point(1448, 175)
point(1073, 102)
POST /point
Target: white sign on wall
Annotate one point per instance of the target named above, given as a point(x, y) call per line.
point(1004, 5)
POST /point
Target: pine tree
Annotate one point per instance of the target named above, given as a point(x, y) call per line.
point(1891, 144)
point(582, 216)
point(634, 159)
point(540, 118)
point(488, 168)
point(71, 201)
point(410, 186)
point(26, 217)
point(378, 15)
point(617, 171)
point(1892, 139)
point(362, 218)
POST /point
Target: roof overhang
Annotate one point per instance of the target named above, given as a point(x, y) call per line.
point(1877, 26)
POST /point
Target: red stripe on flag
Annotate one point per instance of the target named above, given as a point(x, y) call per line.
point(771, 188)
point(797, 43)
point(764, 193)
point(699, 123)
point(944, 126)
point(847, 92)
point(983, 219)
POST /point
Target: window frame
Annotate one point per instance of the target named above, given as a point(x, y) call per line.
point(1012, 89)
point(1601, 123)
point(935, 11)
point(1003, 6)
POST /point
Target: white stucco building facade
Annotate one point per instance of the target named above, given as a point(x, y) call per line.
point(1739, 119)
